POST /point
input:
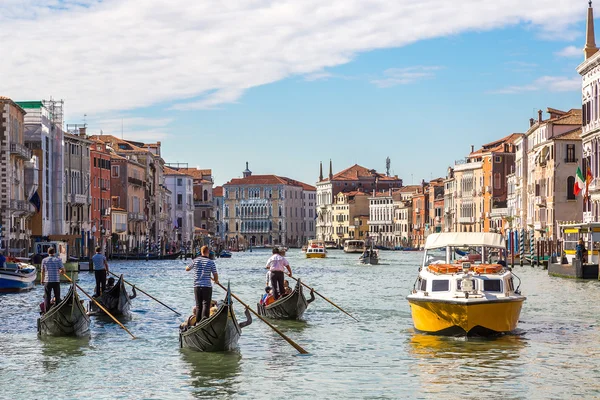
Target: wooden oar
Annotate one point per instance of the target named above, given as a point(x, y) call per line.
point(152, 297)
point(325, 298)
point(100, 305)
point(283, 335)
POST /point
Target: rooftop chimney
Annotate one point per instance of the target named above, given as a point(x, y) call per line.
point(82, 131)
point(540, 116)
point(472, 148)
point(531, 122)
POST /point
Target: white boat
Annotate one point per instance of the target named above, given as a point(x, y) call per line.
point(354, 246)
point(454, 297)
point(316, 249)
point(17, 276)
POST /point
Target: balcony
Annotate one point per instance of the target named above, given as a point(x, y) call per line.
point(120, 227)
point(20, 151)
point(21, 207)
point(466, 220)
point(588, 217)
point(76, 198)
point(540, 201)
point(539, 226)
point(132, 216)
point(499, 212)
point(136, 181)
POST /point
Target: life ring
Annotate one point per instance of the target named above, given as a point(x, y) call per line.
point(487, 268)
point(444, 268)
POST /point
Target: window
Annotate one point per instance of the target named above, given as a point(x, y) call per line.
point(571, 188)
point(179, 181)
point(205, 195)
point(114, 171)
point(423, 285)
point(438, 285)
point(492, 285)
point(497, 181)
point(179, 198)
point(570, 153)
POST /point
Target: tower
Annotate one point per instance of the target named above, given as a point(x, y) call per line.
point(247, 172)
point(590, 41)
point(321, 171)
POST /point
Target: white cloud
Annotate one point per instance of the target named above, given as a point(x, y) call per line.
point(110, 55)
point(404, 76)
point(133, 128)
point(570, 51)
point(548, 83)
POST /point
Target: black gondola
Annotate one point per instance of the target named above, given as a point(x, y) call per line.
point(291, 306)
point(220, 332)
point(68, 318)
point(116, 300)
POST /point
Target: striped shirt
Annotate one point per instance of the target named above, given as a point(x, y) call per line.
point(277, 263)
point(203, 267)
point(51, 266)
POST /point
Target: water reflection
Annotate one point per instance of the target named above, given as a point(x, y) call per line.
point(212, 374)
point(60, 351)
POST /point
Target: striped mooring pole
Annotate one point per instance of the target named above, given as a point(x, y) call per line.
point(521, 247)
point(159, 246)
point(147, 244)
point(532, 247)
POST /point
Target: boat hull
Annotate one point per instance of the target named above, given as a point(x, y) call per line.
point(315, 255)
point(17, 280)
point(220, 332)
point(448, 317)
point(291, 306)
point(115, 300)
point(369, 260)
point(68, 318)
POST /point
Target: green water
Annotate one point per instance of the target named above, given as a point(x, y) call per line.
point(554, 354)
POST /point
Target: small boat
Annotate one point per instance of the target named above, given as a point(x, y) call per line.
point(116, 300)
point(225, 254)
point(381, 247)
point(316, 249)
point(354, 246)
point(219, 332)
point(370, 256)
point(291, 306)
point(68, 318)
point(330, 244)
point(462, 298)
point(17, 276)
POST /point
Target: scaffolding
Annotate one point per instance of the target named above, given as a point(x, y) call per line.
point(56, 109)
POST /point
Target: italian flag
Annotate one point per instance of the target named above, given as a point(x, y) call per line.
point(579, 182)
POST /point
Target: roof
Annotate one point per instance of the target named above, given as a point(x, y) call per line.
point(113, 140)
point(269, 180)
point(14, 103)
point(30, 104)
point(357, 171)
point(171, 171)
point(409, 188)
point(218, 191)
point(572, 117)
point(196, 173)
point(437, 240)
point(574, 134)
point(497, 145)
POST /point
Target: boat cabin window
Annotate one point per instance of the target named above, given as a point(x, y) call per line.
point(492, 285)
point(422, 285)
point(440, 285)
point(511, 284)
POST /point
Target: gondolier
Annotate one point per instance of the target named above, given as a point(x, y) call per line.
point(203, 267)
point(100, 271)
point(52, 267)
point(277, 265)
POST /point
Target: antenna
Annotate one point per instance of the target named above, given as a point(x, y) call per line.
point(388, 162)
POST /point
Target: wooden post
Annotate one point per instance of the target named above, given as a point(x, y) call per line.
point(537, 253)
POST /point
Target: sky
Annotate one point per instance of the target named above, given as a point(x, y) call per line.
point(285, 85)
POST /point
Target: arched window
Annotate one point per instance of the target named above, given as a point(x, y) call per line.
point(205, 195)
point(571, 188)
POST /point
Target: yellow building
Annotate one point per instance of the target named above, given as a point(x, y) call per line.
point(348, 206)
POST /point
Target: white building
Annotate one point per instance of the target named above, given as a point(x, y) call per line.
point(182, 206)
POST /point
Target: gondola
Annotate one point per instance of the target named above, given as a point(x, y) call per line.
point(291, 306)
point(172, 256)
point(68, 318)
point(116, 300)
point(220, 332)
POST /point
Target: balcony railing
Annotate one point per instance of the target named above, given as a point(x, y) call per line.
point(21, 206)
point(76, 198)
point(132, 216)
point(466, 220)
point(20, 151)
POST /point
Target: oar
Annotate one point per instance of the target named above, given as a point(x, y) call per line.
point(325, 298)
point(99, 305)
point(152, 297)
point(283, 335)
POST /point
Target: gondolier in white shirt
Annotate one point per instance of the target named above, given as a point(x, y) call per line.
point(277, 265)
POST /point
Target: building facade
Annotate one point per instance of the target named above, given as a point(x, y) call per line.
point(181, 186)
point(100, 192)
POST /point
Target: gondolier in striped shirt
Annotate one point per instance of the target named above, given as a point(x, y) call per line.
point(277, 265)
point(52, 267)
point(203, 267)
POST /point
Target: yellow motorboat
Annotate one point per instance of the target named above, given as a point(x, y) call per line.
point(454, 295)
point(316, 249)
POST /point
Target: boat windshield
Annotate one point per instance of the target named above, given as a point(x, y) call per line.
point(458, 254)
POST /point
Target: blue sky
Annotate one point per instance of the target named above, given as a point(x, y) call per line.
point(285, 85)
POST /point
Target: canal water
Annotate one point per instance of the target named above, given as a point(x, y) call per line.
point(554, 354)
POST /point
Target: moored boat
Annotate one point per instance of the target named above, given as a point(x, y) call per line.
point(316, 249)
point(67, 318)
point(354, 246)
point(17, 276)
point(116, 300)
point(219, 332)
point(291, 306)
point(451, 297)
point(225, 254)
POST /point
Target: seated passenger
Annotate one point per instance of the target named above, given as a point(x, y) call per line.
point(286, 287)
point(110, 283)
point(213, 307)
point(264, 296)
point(191, 321)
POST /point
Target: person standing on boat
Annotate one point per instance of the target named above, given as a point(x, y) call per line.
point(203, 267)
point(2, 260)
point(52, 267)
point(277, 265)
point(100, 271)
